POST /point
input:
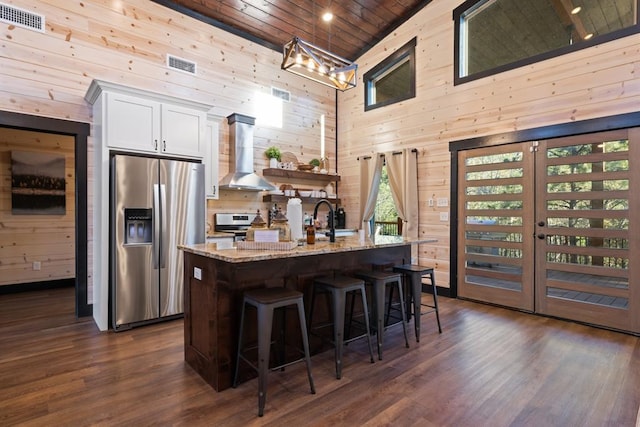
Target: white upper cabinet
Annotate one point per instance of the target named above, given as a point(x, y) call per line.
point(183, 131)
point(143, 122)
point(132, 123)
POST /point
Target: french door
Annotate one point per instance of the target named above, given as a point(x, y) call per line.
point(550, 227)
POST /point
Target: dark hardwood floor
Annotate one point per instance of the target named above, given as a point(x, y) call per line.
point(490, 366)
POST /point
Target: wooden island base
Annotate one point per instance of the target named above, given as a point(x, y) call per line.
point(213, 301)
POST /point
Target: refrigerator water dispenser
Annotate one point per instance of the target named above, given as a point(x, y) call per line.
point(138, 226)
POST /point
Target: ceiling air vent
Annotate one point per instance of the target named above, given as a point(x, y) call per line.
point(21, 18)
point(281, 93)
point(181, 64)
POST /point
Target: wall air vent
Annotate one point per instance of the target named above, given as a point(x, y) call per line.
point(21, 18)
point(281, 93)
point(181, 64)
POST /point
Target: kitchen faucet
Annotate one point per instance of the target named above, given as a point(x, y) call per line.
point(332, 227)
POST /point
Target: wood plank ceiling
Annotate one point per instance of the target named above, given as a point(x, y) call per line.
point(356, 26)
point(360, 24)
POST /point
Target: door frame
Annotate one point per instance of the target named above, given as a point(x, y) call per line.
point(80, 132)
point(620, 121)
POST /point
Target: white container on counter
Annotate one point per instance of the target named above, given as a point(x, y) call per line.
point(294, 215)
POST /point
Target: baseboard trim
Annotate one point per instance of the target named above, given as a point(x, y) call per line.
point(37, 286)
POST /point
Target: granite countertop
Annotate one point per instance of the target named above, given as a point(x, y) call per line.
point(342, 244)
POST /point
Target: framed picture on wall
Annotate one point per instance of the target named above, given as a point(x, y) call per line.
point(37, 183)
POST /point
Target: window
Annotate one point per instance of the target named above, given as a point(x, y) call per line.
point(393, 80)
point(386, 216)
point(498, 35)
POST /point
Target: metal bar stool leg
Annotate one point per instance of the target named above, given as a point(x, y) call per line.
point(265, 318)
point(338, 328)
point(366, 321)
point(379, 305)
point(416, 290)
point(435, 299)
point(305, 343)
point(404, 317)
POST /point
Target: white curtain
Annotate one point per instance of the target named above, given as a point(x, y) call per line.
point(402, 168)
point(370, 170)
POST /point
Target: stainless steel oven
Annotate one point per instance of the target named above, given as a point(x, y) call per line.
point(236, 224)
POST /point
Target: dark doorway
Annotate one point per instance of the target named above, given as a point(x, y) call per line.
point(80, 132)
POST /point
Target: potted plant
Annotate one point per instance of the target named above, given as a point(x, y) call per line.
point(273, 154)
point(315, 163)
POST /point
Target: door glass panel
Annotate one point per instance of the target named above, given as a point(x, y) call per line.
point(493, 221)
point(586, 214)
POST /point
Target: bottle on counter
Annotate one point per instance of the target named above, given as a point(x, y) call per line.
point(311, 235)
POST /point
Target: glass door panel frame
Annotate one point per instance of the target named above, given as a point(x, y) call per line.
point(485, 273)
point(588, 293)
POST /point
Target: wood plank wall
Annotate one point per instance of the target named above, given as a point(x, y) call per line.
point(595, 82)
point(47, 74)
point(48, 239)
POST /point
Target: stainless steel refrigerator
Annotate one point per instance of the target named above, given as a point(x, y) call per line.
point(155, 204)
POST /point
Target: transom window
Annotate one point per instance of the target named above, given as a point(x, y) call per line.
point(393, 80)
point(497, 35)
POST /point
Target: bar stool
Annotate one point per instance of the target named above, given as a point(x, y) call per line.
point(415, 273)
point(380, 280)
point(339, 287)
point(266, 300)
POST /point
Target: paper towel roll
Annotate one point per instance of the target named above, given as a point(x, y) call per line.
point(294, 215)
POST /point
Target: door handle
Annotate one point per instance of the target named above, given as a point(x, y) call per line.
point(156, 225)
point(163, 228)
point(541, 236)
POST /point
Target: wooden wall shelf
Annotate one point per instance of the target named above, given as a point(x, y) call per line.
point(275, 198)
point(301, 175)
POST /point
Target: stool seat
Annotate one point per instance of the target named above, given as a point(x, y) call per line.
point(266, 300)
point(415, 274)
point(339, 286)
point(412, 268)
point(271, 295)
point(380, 280)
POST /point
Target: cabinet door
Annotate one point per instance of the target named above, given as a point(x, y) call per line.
point(132, 123)
point(211, 160)
point(182, 131)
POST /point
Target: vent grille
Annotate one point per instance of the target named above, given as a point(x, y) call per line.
point(181, 64)
point(281, 93)
point(21, 18)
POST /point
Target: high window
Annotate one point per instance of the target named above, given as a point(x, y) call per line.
point(497, 35)
point(393, 80)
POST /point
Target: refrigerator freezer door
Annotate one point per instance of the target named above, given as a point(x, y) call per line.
point(134, 281)
point(183, 223)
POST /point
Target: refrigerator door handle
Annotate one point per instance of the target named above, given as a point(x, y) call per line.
point(163, 214)
point(156, 224)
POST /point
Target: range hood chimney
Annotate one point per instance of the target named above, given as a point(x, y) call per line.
point(241, 175)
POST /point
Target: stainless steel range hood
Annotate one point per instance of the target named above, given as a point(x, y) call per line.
point(241, 175)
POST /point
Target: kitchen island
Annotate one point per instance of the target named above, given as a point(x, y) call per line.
point(215, 279)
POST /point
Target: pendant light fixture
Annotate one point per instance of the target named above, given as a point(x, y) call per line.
point(307, 60)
